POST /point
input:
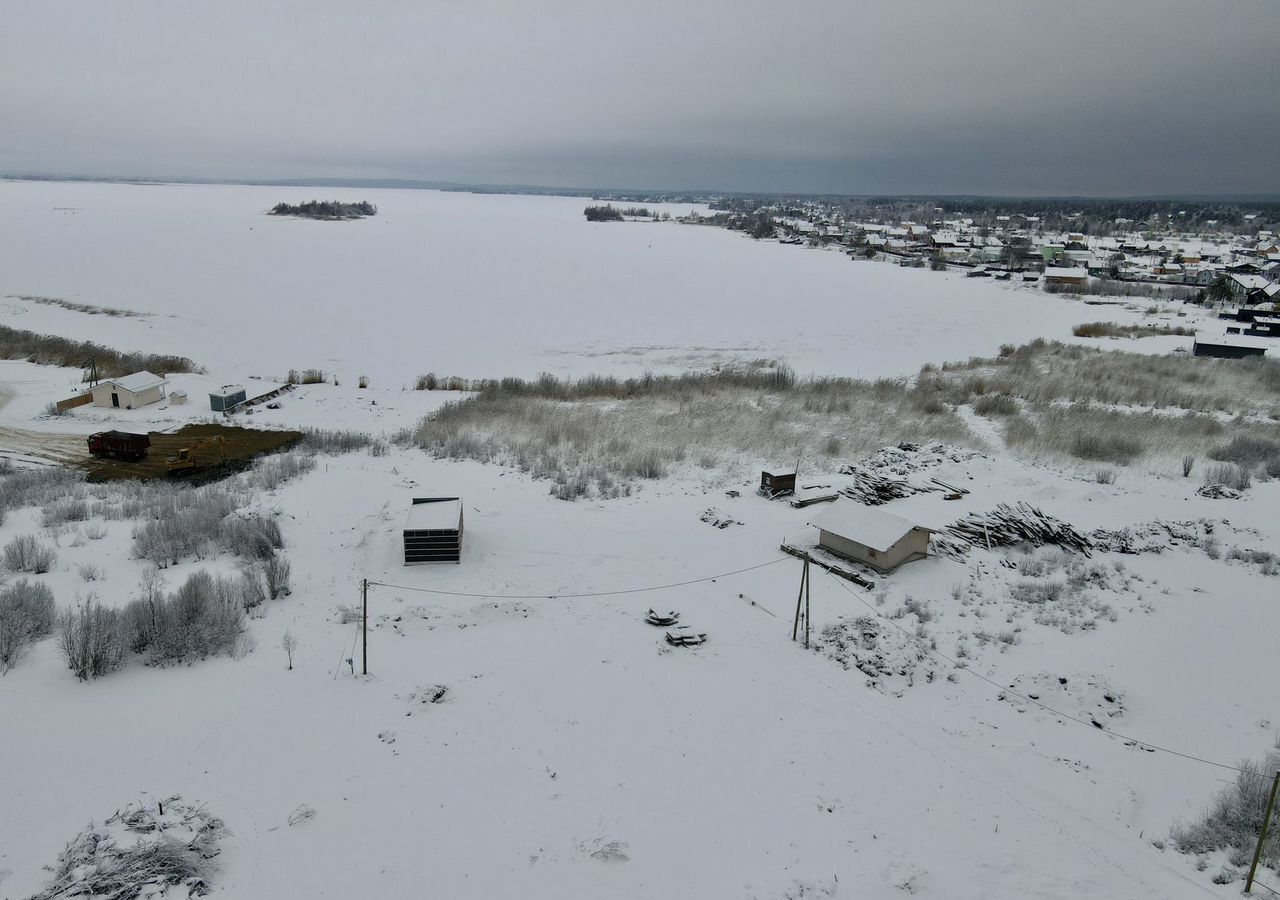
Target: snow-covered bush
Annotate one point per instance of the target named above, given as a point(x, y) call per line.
point(203, 617)
point(252, 537)
point(92, 639)
point(165, 849)
point(68, 509)
point(275, 575)
point(1232, 821)
point(26, 615)
point(26, 554)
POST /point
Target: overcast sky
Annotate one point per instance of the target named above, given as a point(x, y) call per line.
point(1008, 97)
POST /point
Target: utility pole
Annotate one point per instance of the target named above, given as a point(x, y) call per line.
point(364, 626)
point(1262, 834)
point(802, 601)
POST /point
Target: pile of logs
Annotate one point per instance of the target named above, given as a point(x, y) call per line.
point(1023, 524)
point(873, 489)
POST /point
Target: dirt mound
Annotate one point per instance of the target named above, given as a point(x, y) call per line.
point(242, 445)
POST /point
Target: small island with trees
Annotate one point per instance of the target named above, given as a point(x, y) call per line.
point(610, 213)
point(329, 210)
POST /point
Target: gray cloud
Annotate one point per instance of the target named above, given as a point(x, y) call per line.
point(1014, 96)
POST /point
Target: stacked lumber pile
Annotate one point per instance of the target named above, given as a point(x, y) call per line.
point(874, 489)
point(1021, 524)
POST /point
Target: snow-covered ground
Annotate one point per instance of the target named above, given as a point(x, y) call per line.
point(575, 753)
point(478, 286)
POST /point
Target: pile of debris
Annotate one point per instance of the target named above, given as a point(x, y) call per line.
point(679, 635)
point(144, 850)
point(1152, 537)
point(1024, 524)
point(1219, 492)
point(907, 457)
point(713, 516)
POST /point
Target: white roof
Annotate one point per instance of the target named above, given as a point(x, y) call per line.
point(138, 381)
point(1250, 282)
point(1235, 340)
point(1062, 272)
point(865, 525)
point(433, 514)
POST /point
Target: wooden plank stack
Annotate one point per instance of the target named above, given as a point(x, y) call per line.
point(1021, 524)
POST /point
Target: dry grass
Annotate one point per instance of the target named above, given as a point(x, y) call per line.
point(52, 350)
point(596, 436)
point(1131, 330)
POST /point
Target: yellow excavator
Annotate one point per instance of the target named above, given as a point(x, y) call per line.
point(199, 455)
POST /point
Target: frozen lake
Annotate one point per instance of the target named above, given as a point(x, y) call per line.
point(476, 285)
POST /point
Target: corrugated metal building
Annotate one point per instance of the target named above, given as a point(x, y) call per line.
point(226, 398)
point(433, 530)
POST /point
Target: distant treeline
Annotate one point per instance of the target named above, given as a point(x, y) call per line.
point(52, 350)
point(326, 209)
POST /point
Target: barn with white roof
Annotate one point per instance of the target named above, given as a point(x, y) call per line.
point(129, 391)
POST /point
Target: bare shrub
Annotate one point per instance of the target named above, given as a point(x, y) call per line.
point(26, 554)
point(89, 571)
point(333, 441)
point(26, 616)
point(275, 575)
point(362, 382)
point(995, 405)
point(1232, 821)
point(252, 592)
point(92, 639)
point(251, 537)
point(289, 644)
point(95, 531)
point(306, 376)
point(1227, 474)
point(1188, 463)
point(203, 617)
point(1105, 476)
point(1116, 448)
point(1247, 451)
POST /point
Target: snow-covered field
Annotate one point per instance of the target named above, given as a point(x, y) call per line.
point(575, 754)
point(478, 286)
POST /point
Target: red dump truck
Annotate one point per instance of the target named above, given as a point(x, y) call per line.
point(119, 445)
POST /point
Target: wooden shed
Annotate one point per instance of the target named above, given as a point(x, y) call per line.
point(130, 391)
point(870, 536)
point(777, 485)
point(433, 530)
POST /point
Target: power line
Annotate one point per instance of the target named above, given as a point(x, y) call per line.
point(1008, 690)
point(639, 590)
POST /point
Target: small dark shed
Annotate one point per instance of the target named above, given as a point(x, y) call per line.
point(772, 485)
point(1228, 346)
point(433, 530)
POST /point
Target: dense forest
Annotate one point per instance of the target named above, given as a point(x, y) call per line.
point(326, 209)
